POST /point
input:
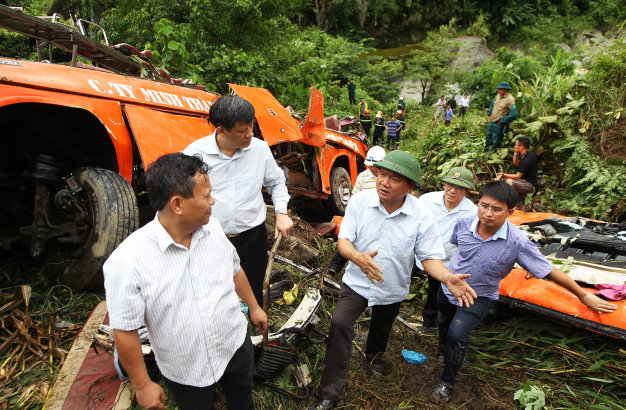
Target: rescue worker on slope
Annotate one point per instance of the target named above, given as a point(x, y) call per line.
point(400, 119)
point(502, 112)
point(366, 122)
point(362, 107)
point(379, 128)
point(401, 104)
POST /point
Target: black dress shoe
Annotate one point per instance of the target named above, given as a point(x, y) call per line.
point(426, 330)
point(378, 366)
point(324, 404)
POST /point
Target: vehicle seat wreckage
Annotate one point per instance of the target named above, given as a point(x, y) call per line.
point(77, 141)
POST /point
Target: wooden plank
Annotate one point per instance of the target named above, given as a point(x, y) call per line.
point(124, 397)
point(75, 358)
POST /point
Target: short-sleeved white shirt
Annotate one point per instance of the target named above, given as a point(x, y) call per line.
point(446, 221)
point(407, 234)
point(186, 298)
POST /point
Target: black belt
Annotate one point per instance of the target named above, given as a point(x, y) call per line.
point(234, 235)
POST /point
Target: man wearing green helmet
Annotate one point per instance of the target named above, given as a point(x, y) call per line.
point(382, 233)
point(447, 206)
point(502, 112)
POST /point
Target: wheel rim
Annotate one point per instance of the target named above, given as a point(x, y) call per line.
point(344, 192)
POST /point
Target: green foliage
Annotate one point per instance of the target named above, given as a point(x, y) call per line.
point(480, 27)
point(169, 49)
point(15, 45)
point(378, 79)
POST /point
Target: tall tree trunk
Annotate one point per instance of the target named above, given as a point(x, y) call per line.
point(363, 5)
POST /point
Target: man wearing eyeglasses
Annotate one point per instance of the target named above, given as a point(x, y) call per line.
point(382, 233)
point(447, 206)
point(488, 247)
point(525, 179)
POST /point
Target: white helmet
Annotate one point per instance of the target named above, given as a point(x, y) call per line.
point(401, 98)
point(375, 154)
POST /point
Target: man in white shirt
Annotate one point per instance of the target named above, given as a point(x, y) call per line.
point(181, 277)
point(464, 105)
point(240, 165)
point(447, 206)
point(382, 232)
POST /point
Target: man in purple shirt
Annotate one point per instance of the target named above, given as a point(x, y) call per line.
point(488, 247)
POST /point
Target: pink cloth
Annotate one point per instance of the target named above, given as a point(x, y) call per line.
point(612, 292)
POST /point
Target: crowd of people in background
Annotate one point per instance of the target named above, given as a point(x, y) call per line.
point(501, 112)
point(446, 109)
point(396, 125)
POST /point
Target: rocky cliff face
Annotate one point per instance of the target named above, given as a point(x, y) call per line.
point(471, 52)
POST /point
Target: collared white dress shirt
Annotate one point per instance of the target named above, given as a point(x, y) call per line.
point(237, 182)
point(464, 101)
point(408, 233)
point(186, 298)
point(434, 201)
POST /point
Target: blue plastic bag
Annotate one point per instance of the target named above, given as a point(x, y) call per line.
point(413, 357)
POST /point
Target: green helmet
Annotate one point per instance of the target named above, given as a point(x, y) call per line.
point(404, 164)
point(460, 176)
point(503, 84)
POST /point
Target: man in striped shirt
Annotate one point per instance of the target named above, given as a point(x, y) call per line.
point(393, 133)
point(181, 276)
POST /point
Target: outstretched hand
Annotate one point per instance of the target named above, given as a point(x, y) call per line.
point(461, 290)
point(598, 304)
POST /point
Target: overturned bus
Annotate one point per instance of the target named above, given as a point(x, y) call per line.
point(78, 137)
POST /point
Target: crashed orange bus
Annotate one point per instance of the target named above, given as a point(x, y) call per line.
point(78, 137)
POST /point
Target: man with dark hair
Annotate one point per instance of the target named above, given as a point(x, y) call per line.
point(502, 112)
point(181, 277)
point(464, 105)
point(382, 233)
point(241, 166)
point(452, 103)
point(488, 247)
point(352, 92)
point(393, 128)
point(525, 179)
